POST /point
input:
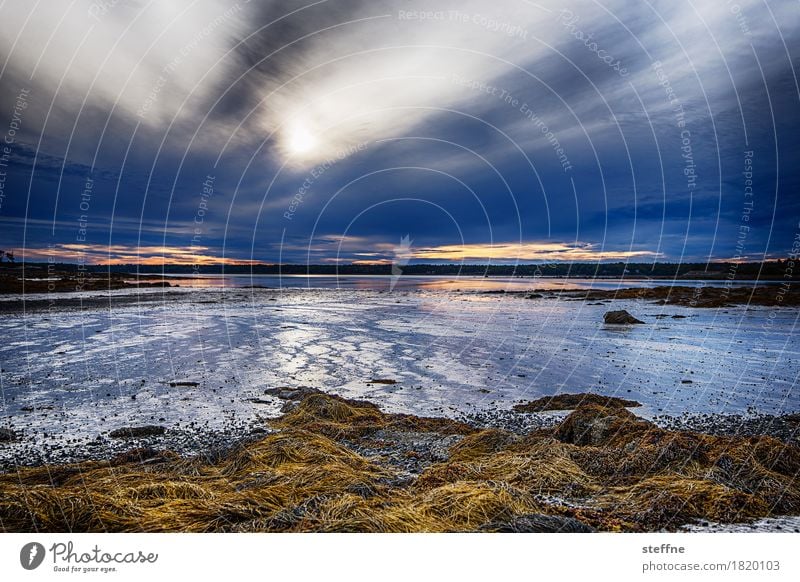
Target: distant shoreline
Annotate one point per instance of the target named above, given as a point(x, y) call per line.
point(39, 278)
point(783, 295)
point(745, 271)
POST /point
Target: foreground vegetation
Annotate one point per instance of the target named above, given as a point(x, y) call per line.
point(336, 465)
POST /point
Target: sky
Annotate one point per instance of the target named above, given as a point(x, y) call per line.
point(346, 131)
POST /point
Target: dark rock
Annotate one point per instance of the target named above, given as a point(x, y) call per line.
point(573, 401)
point(538, 523)
point(132, 432)
point(288, 406)
point(620, 317)
point(142, 456)
point(7, 435)
point(148, 284)
point(294, 394)
point(184, 383)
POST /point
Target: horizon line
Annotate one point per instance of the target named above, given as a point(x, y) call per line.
point(254, 263)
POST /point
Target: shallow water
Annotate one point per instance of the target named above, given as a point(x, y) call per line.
point(77, 372)
point(429, 282)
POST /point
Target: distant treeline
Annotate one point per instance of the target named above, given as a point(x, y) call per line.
point(775, 270)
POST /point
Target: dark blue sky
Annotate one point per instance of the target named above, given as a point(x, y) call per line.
point(214, 130)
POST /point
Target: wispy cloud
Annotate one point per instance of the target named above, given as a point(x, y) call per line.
point(124, 254)
point(144, 95)
point(527, 251)
point(364, 250)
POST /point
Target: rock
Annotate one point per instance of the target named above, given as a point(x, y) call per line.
point(595, 425)
point(620, 317)
point(35, 408)
point(132, 432)
point(189, 384)
point(573, 401)
point(291, 393)
point(538, 523)
point(150, 284)
point(289, 405)
point(7, 435)
point(259, 401)
point(141, 456)
point(382, 381)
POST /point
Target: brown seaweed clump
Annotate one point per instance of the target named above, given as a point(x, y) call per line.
point(326, 468)
point(707, 296)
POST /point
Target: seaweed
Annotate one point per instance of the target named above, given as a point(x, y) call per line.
point(602, 468)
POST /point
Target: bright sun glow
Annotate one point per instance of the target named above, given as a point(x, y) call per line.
point(300, 140)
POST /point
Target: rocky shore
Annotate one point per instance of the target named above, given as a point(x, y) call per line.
point(703, 296)
point(42, 280)
point(332, 464)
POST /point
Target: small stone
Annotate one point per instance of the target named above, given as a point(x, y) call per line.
point(137, 431)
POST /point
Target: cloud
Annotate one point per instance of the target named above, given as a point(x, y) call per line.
point(526, 251)
point(338, 249)
point(152, 92)
point(378, 69)
point(148, 62)
point(375, 250)
point(129, 255)
point(309, 80)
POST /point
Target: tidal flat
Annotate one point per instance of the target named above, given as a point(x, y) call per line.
point(137, 383)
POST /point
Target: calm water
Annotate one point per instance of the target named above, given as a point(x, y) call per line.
point(444, 283)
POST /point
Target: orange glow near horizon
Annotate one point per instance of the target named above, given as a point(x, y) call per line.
point(137, 255)
point(523, 252)
point(204, 256)
point(372, 262)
